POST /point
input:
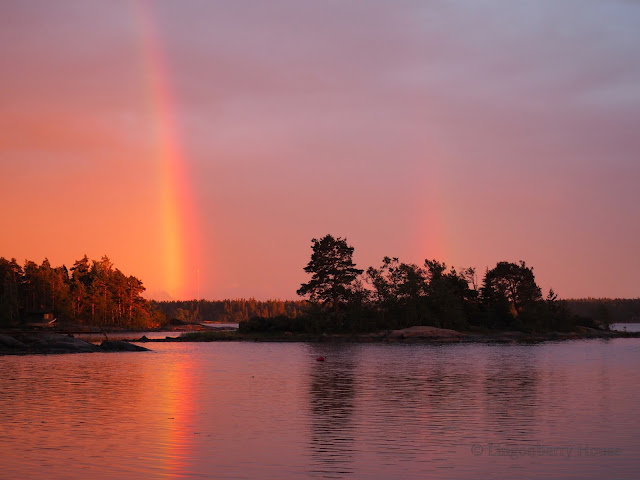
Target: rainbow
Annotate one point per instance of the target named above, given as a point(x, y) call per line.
point(429, 236)
point(180, 237)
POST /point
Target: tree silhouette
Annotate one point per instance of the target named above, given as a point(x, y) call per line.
point(513, 284)
point(333, 272)
point(94, 293)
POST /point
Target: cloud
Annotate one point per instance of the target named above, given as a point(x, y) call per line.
point(298, 117)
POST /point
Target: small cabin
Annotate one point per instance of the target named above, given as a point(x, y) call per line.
point(39, 318)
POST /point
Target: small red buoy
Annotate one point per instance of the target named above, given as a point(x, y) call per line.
point(320, 359)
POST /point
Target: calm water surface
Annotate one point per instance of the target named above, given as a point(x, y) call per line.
point(626, 327)
point(267, 411)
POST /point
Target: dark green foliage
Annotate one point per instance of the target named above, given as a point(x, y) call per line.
point(511, 284)
point(395, 295)
point(209, 336)
point(405, 295)
point(96, 293)
point(450, 299)
point(280, 323)
point(604, 311)
point(401, 295)
point(10, 282)
point(398, 294)
point(333, 273)
point(509, 294)
point(228, 311)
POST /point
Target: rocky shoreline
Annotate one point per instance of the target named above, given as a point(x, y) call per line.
point(55, 343)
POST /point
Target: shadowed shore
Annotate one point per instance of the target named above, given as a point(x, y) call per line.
point(417, 334)
point(55, 343)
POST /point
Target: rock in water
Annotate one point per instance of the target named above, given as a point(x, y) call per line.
point(9, 342)
point(56, 343)
point(39, 343)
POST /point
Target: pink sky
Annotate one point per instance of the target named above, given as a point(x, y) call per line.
point(468, 132)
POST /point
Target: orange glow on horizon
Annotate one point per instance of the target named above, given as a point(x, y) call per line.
point(431, 236)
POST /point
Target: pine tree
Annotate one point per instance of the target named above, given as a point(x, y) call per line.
point(333, 272)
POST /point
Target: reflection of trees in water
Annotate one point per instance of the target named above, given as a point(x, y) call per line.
point(447, 384)
point(331, 398)
point(417, 404)
point(511, 390)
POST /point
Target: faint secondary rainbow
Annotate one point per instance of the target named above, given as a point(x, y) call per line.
point(432, 238)
point(180, 237)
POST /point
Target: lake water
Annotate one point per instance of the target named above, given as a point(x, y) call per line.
point(626, 327)
point(270, 411)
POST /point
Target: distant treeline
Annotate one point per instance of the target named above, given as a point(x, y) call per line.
point(228, 311)
point(606, 310)
point(91, 292)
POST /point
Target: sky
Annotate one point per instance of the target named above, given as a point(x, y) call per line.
point(201, 145)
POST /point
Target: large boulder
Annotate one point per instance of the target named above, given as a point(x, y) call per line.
point(56, 343)
point(46, 343)
point(66, 344)
point(425, 332)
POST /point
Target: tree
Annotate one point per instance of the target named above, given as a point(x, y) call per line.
point(333, 272)
point(448, 294)
point(398, 292)
point(101, 272)
point(10, 283)
point(385, 282)
point(511, 284)
point(95, 291)
point(81, 271)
